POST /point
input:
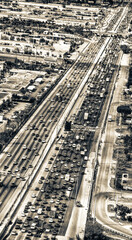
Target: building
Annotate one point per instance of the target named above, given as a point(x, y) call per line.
point(2, 67)
point(31, 88)
point(38, 80)
point(3, 124)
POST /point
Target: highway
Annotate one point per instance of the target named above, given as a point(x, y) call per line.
point(23, 150)
point(26, 152)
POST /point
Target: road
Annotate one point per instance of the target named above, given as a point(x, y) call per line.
point(24, 148)
point(35, 139)
point(103, 191)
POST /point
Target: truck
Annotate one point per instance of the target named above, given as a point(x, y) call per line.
point(67, 176)
point(67, 193)
point(40, 211)
point(72, 180)
point(101, 94)
point(109, 118)
point(85, 116)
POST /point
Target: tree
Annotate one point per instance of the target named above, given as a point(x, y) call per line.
point(23, 90)
point(7, 50)
point(67, 126)
point(1, 146)
point(94, 231)
point(32, 100)
point(124, 109)
point(42, 40)
point(125, 48)
point(4, 105)
point(12, 38)
point(122, 210)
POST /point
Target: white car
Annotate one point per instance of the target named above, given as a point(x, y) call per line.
point(50, 220)
point(23, 214)
point(13, 233)
point(33, 195)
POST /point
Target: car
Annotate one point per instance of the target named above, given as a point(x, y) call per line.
point(57, 202)
point(27, 238)
point(15, 163)
point(40, 181)
point(36, 154)
point(38, 235)
point(30, 166)
point(42, 190)
point(46, 170)
point(33, 225)
point(14, 233)
point(23, 168)
point(26, 210)
point(17, 226)
point(51, 200)
point(33, 210)
point(23, 178)
point(29, 233)
point(39, 199)
point(46, 238)
point(33, 195)
point(54, 233)
point(18, 176)
point(51, 220)
point(42, 178)
point(29, 218)
point(23, 214)
point(48, 208)
point(5, 167)
point(23, 230)
point(78, 204)
point(13, 185)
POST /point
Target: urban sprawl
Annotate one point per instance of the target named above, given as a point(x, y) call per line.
point(65, 120)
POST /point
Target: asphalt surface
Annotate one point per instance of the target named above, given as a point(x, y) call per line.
point(103, 191)
point(36, 138)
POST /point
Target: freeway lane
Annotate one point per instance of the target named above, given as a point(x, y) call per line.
point(57, 168)
point(82, 61)
point(69, 90)
point(79, 164)
point(76, 226)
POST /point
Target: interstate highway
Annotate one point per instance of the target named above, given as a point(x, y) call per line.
point(47, 118)
point(49, 113)
point(68, 152)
